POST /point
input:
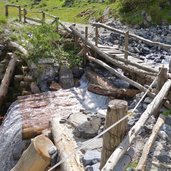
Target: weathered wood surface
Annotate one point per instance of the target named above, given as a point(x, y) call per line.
point(117, 109)
point(150, 42)
point(142, 162)
point(125, 144)
point(7, 79)
point(36, 156)
point(119, 93)
point(130, 81)
point(66, 145)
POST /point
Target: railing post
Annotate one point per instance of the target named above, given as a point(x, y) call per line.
point(117, 109)
point(126, 44)
point(6, 11)
point(57, 24)
point(162, 78)
point(86, 38)
point(25, 13)
point(96, 36)
point(19, 13)
point(43, 17)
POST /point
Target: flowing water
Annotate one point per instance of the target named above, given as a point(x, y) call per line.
point(11, 143)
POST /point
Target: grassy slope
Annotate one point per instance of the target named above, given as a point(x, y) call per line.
point(130, 12)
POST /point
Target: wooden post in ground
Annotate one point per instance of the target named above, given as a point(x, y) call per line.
point(162, 78)
point(25, 13)
point(57, 24)
point(85, 48)
point(96, 36)
point(6, 11)
point(19, 13)
point(126, 44)
point(43, 17)
point(117, 109)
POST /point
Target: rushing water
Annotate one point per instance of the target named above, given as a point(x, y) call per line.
point(11, 144)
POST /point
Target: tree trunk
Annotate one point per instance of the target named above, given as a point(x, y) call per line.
point(114, 92)
point(66, 145)
point(36, 157)
point(7, 78)
point(125, 144)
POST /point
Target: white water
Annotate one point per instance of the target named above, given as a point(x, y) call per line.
point(11, 144)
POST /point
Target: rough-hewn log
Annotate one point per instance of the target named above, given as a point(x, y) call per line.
point(117, 109)
point(161, 165)
point(18, 47)
point(133, 83)
point(125, 144)
point(110, 59)
point(96, 78)
point(150, 42)
point(36, 157)
point(142, 162)
point(7, 78)
point(66, 145)
point(114, 92)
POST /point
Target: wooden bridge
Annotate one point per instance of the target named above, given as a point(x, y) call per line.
point(138, 73)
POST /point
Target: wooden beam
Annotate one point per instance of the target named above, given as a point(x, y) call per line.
point(65, 145)
point(125, 144)
point(142, 162)
point(7, 78)
point(36, 157)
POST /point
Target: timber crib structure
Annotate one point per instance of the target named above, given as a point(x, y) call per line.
point(115, 143)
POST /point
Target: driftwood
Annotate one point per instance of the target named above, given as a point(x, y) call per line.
point(114, 61)
point(65, 145)
point(161, 165)
point(7, 78)
point(18, 47)
point(114, 92)
point(36, 157)
point(125, 144)
point(133, 83)
point(142, 162)
point(150, 42)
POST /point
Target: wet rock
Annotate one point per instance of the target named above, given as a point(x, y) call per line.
point(94, 167)
point(148, 100)
point(164, 158)
point(34, 88)
point(88, 129)
point(120, 83)
point(77, 72)
point(66, 77)
point(91, 157)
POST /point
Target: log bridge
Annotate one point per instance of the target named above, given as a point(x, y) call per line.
point(138, 74)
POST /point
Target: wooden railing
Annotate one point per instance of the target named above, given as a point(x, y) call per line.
point(24, 17)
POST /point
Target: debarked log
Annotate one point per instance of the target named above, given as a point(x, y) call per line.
point(152, 108)
point(36, 157)
point(7, 78)
point(114, 92)
point(66, 145)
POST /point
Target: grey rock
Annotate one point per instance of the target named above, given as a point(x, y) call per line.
point(91, 157)
point(164, 158)
point(163, 135)
point(120, 83)
point(66, 77)
point(148, 100)
point(88, 129)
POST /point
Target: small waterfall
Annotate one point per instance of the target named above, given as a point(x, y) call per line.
point(11, 143)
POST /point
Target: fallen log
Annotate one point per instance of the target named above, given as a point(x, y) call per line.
point(114, 61)
point(18, 47)
point(114, 92)
point(36, 157)
point(7, 78)
point(125, 144)
point(142, 162)
point(96, 78)
point(161, 165)
point(133, 83)
point(66, 145)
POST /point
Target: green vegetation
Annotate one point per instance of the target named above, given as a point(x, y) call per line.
point(132, 165)
point(44, 42)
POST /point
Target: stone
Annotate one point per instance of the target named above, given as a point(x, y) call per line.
point(34, 88)
point(46, 61)
point(91, 157)
point(163, 135)
point(148, 18)
point(76, 119)
point(77, 72)
point(66, 77)
point(168, 38)
point(88, 129)
point(164, 158)
point(54, 86)
point(169, 27)
point(120, 83)
point(148, 100)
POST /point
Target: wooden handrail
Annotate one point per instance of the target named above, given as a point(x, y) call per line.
point(150, 42)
